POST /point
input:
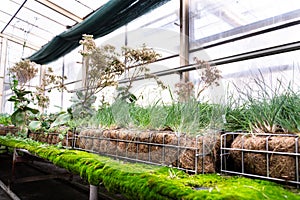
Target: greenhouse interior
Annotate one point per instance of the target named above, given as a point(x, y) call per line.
point(149, 99)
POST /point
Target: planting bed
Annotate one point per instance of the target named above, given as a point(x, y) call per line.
point(273, 156)
point(156, 147)
point(195, 154)
point(139, 181)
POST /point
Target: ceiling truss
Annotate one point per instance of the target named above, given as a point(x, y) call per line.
point(60, 10)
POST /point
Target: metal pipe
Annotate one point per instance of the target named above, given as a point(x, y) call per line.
point(12, 195)
point(13, 16)
point(93, 192)
point(263, 151)
point(196, 155)
point(267, 156)
point(243, 154)
point(184, 37)
point(297, 159)
point(222, 152)
point(262, 177)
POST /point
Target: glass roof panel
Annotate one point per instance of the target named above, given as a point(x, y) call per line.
point(165, 16)
point(7, 9)
point(35, 23)
point(80, 8)
point(43, 11)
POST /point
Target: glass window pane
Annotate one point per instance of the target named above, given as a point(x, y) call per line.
point(213, 21)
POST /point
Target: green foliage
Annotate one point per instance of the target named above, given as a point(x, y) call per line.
point(102, 67)
point(5, 119)
point(21, 105)
point(46, 123)
point(105, 116)
point(188, 117)
point(267, 110)
point(62, 119)
point(140, 181)
point(82, 106)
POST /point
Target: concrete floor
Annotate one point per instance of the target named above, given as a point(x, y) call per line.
point(58, 189)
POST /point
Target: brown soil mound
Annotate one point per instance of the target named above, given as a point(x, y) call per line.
point(280, 166)
point(96, 142)
point(163, 147)
point(108, 144)
point(67, 141)
point(207, 146)
point(8, 129)
point(81, 140)
point(52, 138)
point(167, 151)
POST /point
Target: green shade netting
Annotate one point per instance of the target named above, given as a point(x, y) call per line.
point(106, 19)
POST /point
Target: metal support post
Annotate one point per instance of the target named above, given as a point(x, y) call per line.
point(3, 59)
point(93, 192)
point(184, 37)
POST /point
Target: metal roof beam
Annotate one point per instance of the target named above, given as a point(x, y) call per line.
point(39, 13)
point(60, 10)
point(20, 41)
point(13, 16)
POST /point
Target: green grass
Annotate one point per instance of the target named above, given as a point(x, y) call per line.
point(140, 181)
point(266, 113)
point(191, 117)
point(267, 110)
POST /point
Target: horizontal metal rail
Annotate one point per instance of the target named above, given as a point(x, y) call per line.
point(261, 177)
point(262, 151)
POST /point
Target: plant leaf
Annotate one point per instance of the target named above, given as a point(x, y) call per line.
point(35, 125)
point(61, 119)
point(18, 117)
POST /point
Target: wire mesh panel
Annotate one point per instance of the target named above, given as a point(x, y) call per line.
point(8, 129)
point(153, 147)
point(267, 156)
point(53, 138)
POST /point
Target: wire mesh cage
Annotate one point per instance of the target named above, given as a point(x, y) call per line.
point(268, 156)
point(192, 154)
point(8, 129)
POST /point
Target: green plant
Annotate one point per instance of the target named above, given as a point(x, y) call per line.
point(105, 116)
point(82, 107)
point(21, 105)
point(21, 73)
point(289, 115)
point(102, 65)
point(121, 113)
point(45, 123)
point(267, 109)
point(190, 117)
point(5, 119)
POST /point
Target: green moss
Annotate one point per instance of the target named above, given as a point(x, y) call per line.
point(139, 181)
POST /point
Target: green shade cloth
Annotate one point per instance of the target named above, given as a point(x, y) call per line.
point(106, 19)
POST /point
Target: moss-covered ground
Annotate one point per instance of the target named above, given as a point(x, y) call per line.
point(139, 181)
